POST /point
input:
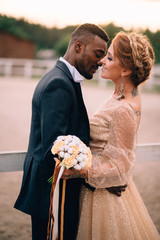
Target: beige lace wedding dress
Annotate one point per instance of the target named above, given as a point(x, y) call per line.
point(104, 216)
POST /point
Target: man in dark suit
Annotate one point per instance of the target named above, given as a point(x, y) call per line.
point(58, 109)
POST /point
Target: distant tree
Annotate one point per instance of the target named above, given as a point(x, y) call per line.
point(9, 25)
point(112, 30)
point(42, 36)
point(62, 45)
point(155, 41)
point(57, 39)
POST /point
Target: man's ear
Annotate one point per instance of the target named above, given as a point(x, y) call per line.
point(78, 46)
point(125, 72)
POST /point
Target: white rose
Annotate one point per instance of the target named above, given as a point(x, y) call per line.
point(79, 158)
point(82, 156)
point(80, 148)
point(73, 143)
point(66, 148)
point(66, 142)
point(66, 155)
point(70, 150)
point(61, 154)
point(75, 162)
point(77, 140)
point(60, 138)
point(61, 148)
point(69, 138)
point(84, 150)
point(77, 167)
point(82, 164)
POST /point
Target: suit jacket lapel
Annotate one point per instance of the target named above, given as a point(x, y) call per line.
point(76, 86)
point(65, 69)
point(82, 113)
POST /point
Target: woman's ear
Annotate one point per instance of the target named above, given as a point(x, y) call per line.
point(78, 46)
point(125, 72)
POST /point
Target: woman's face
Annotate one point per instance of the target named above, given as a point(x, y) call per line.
point(110, 66)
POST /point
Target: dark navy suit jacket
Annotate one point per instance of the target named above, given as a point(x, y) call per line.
point(57, 109)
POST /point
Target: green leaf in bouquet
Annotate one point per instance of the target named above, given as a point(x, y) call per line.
point(50, 180)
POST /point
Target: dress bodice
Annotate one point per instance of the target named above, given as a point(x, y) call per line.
point(113, 130)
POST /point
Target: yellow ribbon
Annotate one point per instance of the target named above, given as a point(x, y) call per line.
point(62, 208)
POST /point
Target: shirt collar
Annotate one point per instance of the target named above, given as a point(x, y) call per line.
point(77, 77)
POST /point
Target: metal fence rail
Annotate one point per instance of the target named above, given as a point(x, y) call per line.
point(29, 68)
point(13, 161)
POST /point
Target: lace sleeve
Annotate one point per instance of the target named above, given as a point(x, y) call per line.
point(116, 162)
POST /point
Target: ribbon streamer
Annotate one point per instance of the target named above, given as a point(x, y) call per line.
point(62, 208)
point(55, 203)
point(52, 231)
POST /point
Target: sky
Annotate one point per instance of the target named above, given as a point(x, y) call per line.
point(60, 13)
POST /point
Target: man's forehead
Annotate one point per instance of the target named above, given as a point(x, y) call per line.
point(99, 42)
point(98, 46)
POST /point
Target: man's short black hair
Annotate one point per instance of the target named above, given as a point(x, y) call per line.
point(87, 32)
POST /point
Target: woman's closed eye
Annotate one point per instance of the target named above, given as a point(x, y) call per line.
point(109, 58)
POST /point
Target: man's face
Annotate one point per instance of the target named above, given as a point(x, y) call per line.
point(88, 59)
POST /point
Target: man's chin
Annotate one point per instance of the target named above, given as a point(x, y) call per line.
point(89, 77)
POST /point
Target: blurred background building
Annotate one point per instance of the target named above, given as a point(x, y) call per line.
point(16, 47)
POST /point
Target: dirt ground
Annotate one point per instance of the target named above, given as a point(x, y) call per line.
point(15, 113)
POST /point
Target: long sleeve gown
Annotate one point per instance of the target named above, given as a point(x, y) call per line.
point(104, 216)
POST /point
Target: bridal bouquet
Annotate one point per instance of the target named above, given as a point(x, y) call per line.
point(71, 152)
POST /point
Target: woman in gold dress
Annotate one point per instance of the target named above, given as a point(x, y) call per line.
point(104, 216)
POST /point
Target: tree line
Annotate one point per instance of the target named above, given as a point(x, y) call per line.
point(58, 38)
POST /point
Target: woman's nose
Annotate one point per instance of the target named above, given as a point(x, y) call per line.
point(102, 60)
point(99, 63)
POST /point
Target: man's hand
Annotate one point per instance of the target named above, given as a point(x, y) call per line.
point(117, 190)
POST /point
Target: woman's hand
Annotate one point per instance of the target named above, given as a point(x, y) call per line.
point(73, 173)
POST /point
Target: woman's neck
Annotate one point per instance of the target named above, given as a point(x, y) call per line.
point(129, 90)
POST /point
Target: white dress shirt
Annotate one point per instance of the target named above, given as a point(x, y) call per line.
point(77, 77)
